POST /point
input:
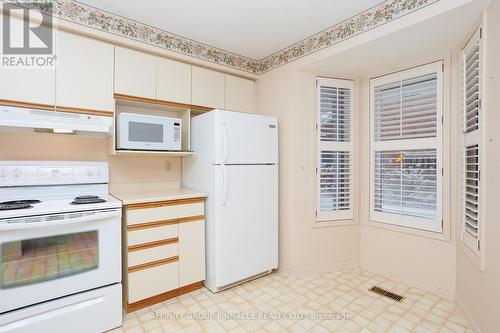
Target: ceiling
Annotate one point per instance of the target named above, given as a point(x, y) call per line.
point(406, 47)
point(254, 29)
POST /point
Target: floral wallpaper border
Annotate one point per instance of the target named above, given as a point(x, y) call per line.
point(89, 16)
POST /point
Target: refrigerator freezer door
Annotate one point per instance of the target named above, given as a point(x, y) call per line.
point(242, 138)
point(246, 221)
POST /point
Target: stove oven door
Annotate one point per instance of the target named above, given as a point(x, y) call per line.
point(43, 258)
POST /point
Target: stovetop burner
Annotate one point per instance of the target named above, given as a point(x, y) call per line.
point(87, 199)
point(14, 205)
point(18, 202)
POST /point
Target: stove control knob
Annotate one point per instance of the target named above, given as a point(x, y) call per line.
point(17, 172)
point(90, 173)
point(3, 172)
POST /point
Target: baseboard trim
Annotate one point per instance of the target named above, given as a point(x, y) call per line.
point(475, 327)
point(445, 293)
point(319, 269)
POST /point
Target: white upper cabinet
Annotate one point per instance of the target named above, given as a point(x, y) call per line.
point(239, 94)
point(208, 88)
point(84, 73)
point(34, 86)
point(135, 73)
point(173, 81)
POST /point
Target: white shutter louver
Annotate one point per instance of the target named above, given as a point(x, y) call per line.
point(471, 182)
point(334, 172)
point(406, 148)
point(471, 88)
point(335, 180)
point(406, 109)
point(335, 117)
point(471, 195)
point(406, 182)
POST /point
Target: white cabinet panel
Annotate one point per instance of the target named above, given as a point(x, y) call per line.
point(191, 252)
point(173, 81)
point(148, 235)
point(152, 254)
point(135, 73)
point(208, 88)
point(152, 281)
point(239, 94)
point(84, 73)
point(162, 213)
point(28, 85)
point(193, 209)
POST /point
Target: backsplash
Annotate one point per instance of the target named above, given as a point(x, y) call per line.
point(122, 169)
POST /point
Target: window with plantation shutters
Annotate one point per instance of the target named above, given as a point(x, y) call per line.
point(471, 226)
point(406, 163)
point(335, 149)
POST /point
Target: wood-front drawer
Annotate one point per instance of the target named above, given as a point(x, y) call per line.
point(152, 281)
point(142, 254)
point(147, 234)
point(151, 213)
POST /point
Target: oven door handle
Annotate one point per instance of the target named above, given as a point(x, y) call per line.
point(98, 216)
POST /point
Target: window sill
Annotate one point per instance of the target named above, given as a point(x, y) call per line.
point(333, 223)
point(444, 236)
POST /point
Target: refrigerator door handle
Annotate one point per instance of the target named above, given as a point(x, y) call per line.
point(224, 142)
point(224, 177)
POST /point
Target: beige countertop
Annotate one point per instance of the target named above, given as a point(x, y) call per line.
point(145, 193)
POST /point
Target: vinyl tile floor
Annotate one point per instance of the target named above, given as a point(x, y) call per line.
point(336, 302)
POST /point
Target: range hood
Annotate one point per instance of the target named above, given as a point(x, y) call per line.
point(34, 120)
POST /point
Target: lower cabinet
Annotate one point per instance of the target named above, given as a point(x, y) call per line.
point(191, 252)
point(164, 254)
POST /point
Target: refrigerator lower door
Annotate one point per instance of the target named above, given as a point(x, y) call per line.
point(246, 221)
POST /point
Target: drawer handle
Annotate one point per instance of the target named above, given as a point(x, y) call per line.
point(153, 264)
point(163, 223)
point(159, 204)
point(148, 225)
point(149, 245)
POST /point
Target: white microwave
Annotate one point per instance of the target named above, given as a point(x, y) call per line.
point(145, 132)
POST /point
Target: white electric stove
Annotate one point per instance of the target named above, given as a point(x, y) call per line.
point(60, 248)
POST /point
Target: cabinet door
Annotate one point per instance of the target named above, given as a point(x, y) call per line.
point(191, 252)
point(208, 88)
point(239, 94)
point(135, 73)
point(27, 85)
point(84, 73)
point(173, 82)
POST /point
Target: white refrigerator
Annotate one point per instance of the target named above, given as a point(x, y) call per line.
point(236, 163)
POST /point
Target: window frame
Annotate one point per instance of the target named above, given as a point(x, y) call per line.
point(335, 216)
point(474, 137)
point(399, 220)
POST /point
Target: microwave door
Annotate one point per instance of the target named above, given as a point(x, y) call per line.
point(146, 135)
point(144, 132)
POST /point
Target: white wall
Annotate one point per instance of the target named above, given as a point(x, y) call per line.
point(290, 94)
point(479, 291)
